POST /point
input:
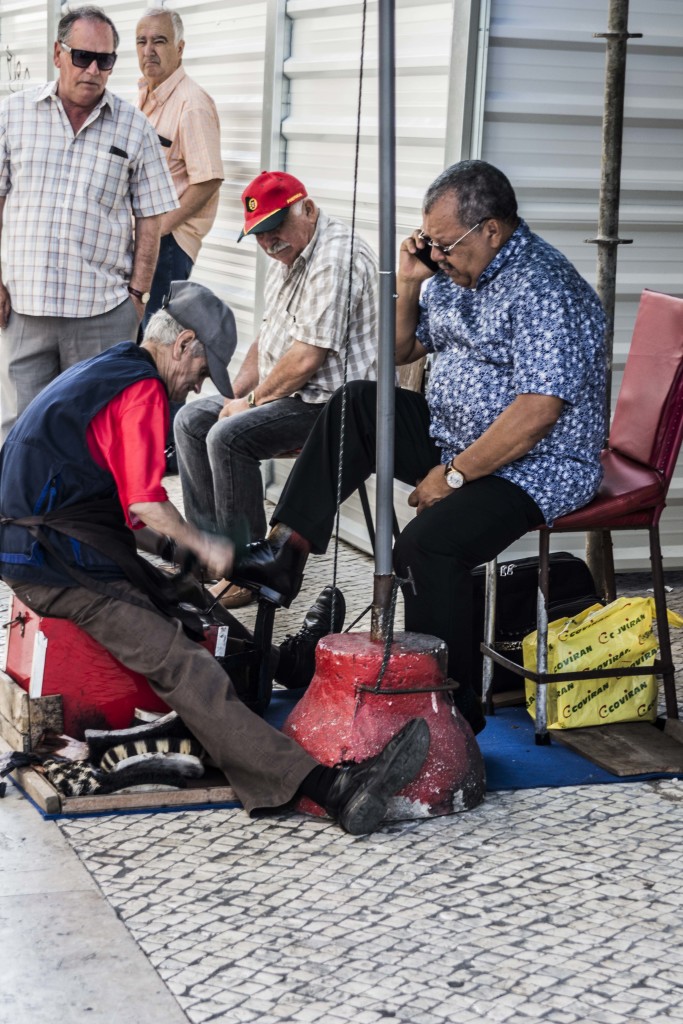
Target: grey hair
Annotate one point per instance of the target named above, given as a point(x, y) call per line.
point(86, 13)
point(176, 20)
point(479, 189)
point(164, 329)
point(298, 207)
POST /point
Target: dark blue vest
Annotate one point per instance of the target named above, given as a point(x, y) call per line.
point(45, 464)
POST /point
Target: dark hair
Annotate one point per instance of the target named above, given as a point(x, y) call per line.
point(479, 189)
point(87, 13)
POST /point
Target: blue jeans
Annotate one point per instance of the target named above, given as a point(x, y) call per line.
point(219, 460)
point(173, 265)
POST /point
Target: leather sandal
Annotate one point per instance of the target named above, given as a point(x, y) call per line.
point(234, 596)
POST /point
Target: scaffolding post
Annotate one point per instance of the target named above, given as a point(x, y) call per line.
point(599, 542)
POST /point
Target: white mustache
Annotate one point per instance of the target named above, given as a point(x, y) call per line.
point(277, 247)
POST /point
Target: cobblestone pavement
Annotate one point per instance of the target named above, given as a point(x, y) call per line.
point(560, 905)
point(555, 905)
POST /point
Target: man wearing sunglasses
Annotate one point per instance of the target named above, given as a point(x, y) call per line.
point(509, 433)
point(83, 187)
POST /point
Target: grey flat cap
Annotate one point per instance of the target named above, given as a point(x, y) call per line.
point(197, 309)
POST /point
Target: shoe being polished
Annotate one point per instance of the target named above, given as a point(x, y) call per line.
point(297, 653)
point(273, 567)
point(359, 797)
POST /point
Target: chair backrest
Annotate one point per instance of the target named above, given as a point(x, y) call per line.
point(648, 420)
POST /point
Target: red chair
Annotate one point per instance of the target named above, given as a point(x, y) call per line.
point(638, 464)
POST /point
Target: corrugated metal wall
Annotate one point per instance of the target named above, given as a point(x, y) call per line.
point(320, 128)
point(519, 82)
point(224, 52)
point(542, 126)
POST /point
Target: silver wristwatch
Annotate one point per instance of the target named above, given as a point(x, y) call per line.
point(454, 477)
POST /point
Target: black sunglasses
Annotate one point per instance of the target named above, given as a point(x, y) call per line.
point(84, 58)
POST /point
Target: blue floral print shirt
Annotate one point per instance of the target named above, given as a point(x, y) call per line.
point(532, 325)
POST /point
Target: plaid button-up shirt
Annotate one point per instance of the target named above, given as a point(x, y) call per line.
point(71, 199)
point(307, 302)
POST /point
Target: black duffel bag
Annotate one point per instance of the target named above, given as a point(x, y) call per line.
point(571, 590)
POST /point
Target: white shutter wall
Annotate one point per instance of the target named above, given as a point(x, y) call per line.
point(319, 130)
point(224, 53)
point(24, 57)
point(543, 127)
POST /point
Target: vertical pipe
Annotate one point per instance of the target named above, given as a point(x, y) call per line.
point(387, 326)
point(608, 241)
point(598, 542)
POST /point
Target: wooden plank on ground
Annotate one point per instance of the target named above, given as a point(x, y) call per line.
point(510, 698)
point(35, 785)
point(14, 703)
point(628, 748)
point(14, 739)
point(131, 800)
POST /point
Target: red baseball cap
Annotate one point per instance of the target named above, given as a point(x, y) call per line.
point(266, 201)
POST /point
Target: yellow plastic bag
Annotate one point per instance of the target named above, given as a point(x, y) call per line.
point(619, 634)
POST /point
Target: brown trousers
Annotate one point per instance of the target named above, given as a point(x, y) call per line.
point(264, 767)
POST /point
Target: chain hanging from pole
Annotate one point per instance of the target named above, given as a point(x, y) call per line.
point(342, 429)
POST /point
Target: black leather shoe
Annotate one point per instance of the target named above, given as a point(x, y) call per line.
point(273, 568)
point(469, 705)
point(297, 653)
point(359, 797)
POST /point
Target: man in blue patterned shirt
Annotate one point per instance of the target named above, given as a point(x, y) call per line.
point(509, 434)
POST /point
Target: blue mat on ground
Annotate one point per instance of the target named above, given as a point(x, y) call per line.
point(512, 759)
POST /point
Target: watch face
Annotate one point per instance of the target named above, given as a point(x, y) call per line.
point(454, 479)
point(145, 297)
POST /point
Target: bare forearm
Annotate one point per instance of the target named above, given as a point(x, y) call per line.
point(191, 201)
point(146, 252)
point(290, 373)
point(513, 434)
point(407, 347)
point(247, 378)
point(163, 518)
point(5, 301)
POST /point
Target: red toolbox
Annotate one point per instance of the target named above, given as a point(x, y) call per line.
point(53, 656)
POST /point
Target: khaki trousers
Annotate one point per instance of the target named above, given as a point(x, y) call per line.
point(264, 767)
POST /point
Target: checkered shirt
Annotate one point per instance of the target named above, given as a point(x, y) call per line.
point(308, 301)
point(71, 200)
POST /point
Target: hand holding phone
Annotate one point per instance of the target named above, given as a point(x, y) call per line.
point(424, 257)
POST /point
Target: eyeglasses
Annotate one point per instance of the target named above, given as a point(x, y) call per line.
point(84, 58)
point(445, 249)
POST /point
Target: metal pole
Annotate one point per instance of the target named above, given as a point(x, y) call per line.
point(380, 624)
point(598, 542)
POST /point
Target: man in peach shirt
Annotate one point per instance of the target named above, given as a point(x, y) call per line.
point(186, 121)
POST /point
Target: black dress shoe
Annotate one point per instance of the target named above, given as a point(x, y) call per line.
point(469, 705)
point(359, 797)
point(273, 568)
point(297, 653)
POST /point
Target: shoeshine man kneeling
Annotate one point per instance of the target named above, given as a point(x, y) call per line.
point(509, 433)
point(80, 475)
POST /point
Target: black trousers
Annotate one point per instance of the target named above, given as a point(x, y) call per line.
point(440, 546)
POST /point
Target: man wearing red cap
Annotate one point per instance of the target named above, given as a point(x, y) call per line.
point(292, 368)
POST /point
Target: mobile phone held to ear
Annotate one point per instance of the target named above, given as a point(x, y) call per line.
point(424, 257)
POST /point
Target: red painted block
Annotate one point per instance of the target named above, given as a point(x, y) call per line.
point(54, 656)
point(338, 720)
